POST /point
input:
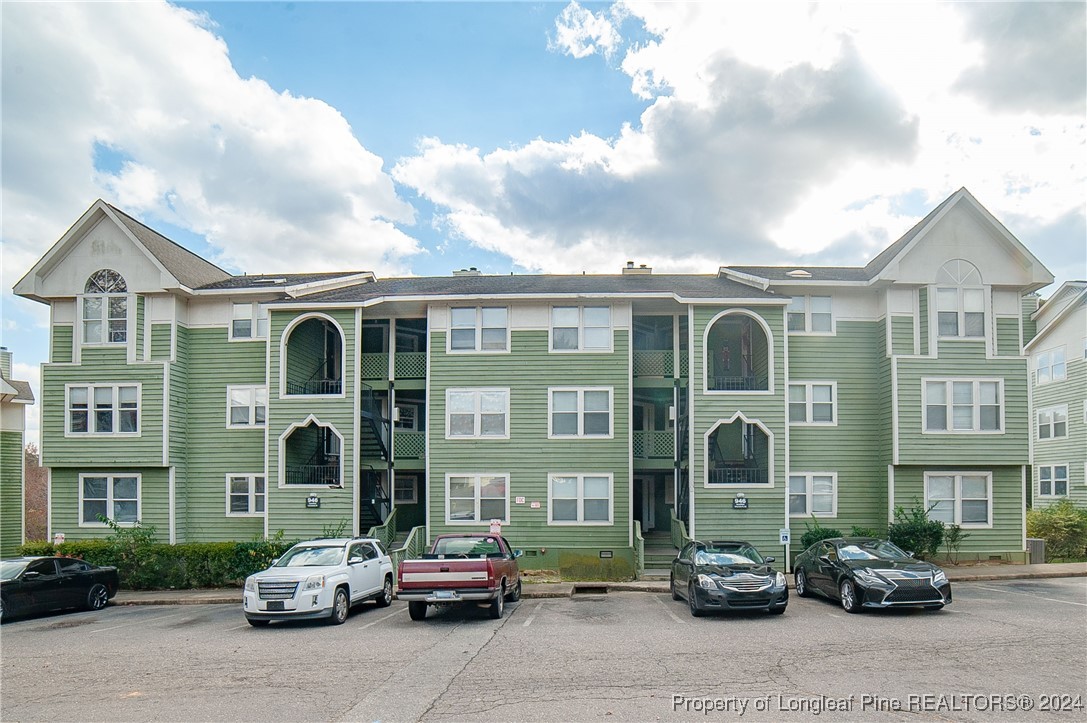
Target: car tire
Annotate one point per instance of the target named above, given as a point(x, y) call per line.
point(385, 598)
point(515, 594)
point(257, 623)
point(97, 597)
point(777, 611)
point(498, 604)
point(417, 610)
point(341, 605)
point(692, 603)
point(6, 611)
point(672, 588)
point(801, 580)
point(847, 591)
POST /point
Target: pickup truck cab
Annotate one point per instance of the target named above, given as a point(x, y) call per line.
point(320, 579)
point(469, 568)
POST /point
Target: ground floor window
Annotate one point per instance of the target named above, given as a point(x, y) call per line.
point(476, 498)
point(963, 499)
point(813, 493)
point(406, 490)
point(579, 499)
point(1053, 480)
point(115, 496)
point(244, 495)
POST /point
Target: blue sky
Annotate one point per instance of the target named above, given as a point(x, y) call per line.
point(417, 138)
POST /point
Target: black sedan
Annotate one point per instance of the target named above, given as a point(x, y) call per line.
point(727, 575)
point(38, 584)
point(864, 572)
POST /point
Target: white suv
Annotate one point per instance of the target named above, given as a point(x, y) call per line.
point(320, 579)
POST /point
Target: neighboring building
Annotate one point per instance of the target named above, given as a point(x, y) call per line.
point(14, 398)
point(569, 407)
point(1059, 396)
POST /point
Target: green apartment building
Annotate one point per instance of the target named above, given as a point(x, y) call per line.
point(15, 396)
point(582, 413)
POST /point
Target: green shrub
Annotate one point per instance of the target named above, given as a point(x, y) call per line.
point(1063, 527)
point(814, 532)
point(858, 531)
point(914, 532)
point(953, 539)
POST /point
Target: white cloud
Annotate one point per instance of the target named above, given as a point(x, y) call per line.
point(581, 33)
point(31, 373)
point(274, 181)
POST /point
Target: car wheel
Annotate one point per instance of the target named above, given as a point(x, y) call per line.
point(692, 602)
point(777, 611)
point(97, 597)
point(340, 606)
point(417, 610)
point(257, 623)
point(5, 609)
point(672, 587)
point(497, 605)
point(515, 594)
point(802, 584)
point(385, 598)
point(848, 593)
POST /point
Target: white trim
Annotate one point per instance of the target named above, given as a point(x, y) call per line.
point(268, 434)
point(809, 493)
point(957, 483)
point(427, 483)
point(165, 414)
point(1053, 481)
point(478, 332)
point(310, 419)
point(115, 407)
point(476, 478)
point(949, 404)
point(788, 443)
point(283, 342)
point(252, 406)
point(630, 416)
point(809, 403)
point(513, 297)
point(894, 410)
point(890, 493)
point(581, 412)
point(580, 522)
point(251, 479)
point(171, 489)
point(48, 501)
point(581, 349)
point(769, 455)
point(1023, 508)
point(356, 435)
point(916, 294)
point(691, 361)
point(110, 477)
point(705, 345)
point(477, 414)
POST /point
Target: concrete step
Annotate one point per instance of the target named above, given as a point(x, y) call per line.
point(655, 574)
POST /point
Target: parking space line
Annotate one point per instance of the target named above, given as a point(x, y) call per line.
point(833, 615)
point(670, 613)
point(532, 617)
point(144, 620)
point(375, 622)
point(1030, 594)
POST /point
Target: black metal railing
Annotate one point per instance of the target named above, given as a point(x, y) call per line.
point(739, 384)
point(316, 386)
point(739, 476)
point(313, 474)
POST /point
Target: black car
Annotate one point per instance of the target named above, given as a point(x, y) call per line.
point(38, 584)
point(727, 575)
point(865, 572)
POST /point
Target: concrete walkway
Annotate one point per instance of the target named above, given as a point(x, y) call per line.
point(978, 573)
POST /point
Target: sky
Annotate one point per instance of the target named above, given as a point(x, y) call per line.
point(418, 138)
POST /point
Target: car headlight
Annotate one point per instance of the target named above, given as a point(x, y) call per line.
point(706, 582)
point(868, 577)
point(314, 583)
point(779, 580)
point(251, 584)
point(939, 578)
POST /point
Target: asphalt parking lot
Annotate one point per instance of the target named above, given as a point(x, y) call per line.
point(1001, 647)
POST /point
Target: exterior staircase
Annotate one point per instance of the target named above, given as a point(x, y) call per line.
point(659, 554)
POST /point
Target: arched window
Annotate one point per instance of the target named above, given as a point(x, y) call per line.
point(312, 455)
point(105, 308)
point(738, 452)
point(960, 300)
point(314, 357)
point(737, 354)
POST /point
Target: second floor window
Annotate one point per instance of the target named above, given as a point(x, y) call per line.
point(963, 405)
point(1050, 366)
point(477, 413)
point(811, 314)
point(581, 328)
point(248, 321)
point(960, 312)
point(1053, 422)
point(580, 412)
point(105, 308)
point(103, 409)
point(479, 329)
point(246, 406)
point(812, 403)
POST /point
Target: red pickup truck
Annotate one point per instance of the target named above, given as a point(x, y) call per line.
point(470, 568)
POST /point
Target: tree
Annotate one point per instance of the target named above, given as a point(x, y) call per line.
point(37, 494)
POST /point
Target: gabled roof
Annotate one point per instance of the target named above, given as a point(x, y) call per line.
point(18, 392)
point(1064, 302)
point(185, 266)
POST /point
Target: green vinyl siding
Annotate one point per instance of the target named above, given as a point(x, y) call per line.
point(11, 492)
point(161, 341)
point(1007, 336)
point(61, 351)
point(287, 509)
point(885, 392)
point(713, 513)
point(922, 317)
point(64, 500)
point(847, 449)
point(901, 335)
point(1072, 449)
point(102, 366)
point(1005, 538)
point(141, 303)
point(528, 456)
point(1029, 306)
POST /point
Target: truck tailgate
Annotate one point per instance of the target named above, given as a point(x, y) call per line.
point(439, 574)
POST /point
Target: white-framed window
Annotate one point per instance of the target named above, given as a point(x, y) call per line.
point(810, 314)
point(960, 498)
point(964, 405)
point(1053, 480)
point(813, 493)
point(579, 499)
point(581, 328)
point(245, 495)
point(477, 413)
point(813, 403)
point(116, 496)
point(579, 412)
point(1050, 366)
point(103, 409)
point(405, 489)
point(960, 312)
point(105, 308)
point(479, 329)
point(248, 320)
point(1053, 422)
point(246, 406)
point(473, 499)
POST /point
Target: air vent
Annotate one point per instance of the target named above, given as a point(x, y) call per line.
point(470, 271)
point(799, 274)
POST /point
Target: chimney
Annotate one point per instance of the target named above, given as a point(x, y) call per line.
point(641, 269)
point(5, 362)
point(470, 271)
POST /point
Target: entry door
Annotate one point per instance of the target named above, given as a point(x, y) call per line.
point(649, 504)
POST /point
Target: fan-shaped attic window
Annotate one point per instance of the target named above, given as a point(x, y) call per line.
point(105, 308)
point(959, 272)
point(106, 281)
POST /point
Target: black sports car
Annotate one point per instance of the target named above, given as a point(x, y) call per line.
point(727, 575)
point(37, 584)
point(864, 572)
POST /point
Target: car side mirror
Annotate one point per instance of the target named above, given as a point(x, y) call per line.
point(31, 575)
point(824, 558)
point(273, 562)
point(768, 560)
point(909, 553)
point(518, 553)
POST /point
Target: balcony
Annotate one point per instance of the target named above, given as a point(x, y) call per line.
point(408, 365)
point(312, 474)
point(659, 363)
point(738, 476)
point(409, 445)
point(655, 445)
point(738, 384)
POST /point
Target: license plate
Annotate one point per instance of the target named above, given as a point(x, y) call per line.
point(444, 594)
point(275, 605)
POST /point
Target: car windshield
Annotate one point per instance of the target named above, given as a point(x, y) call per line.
point(468, 546)
point(310, 557)
point(10, 569)
point(728, 555)
point(874, 550)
